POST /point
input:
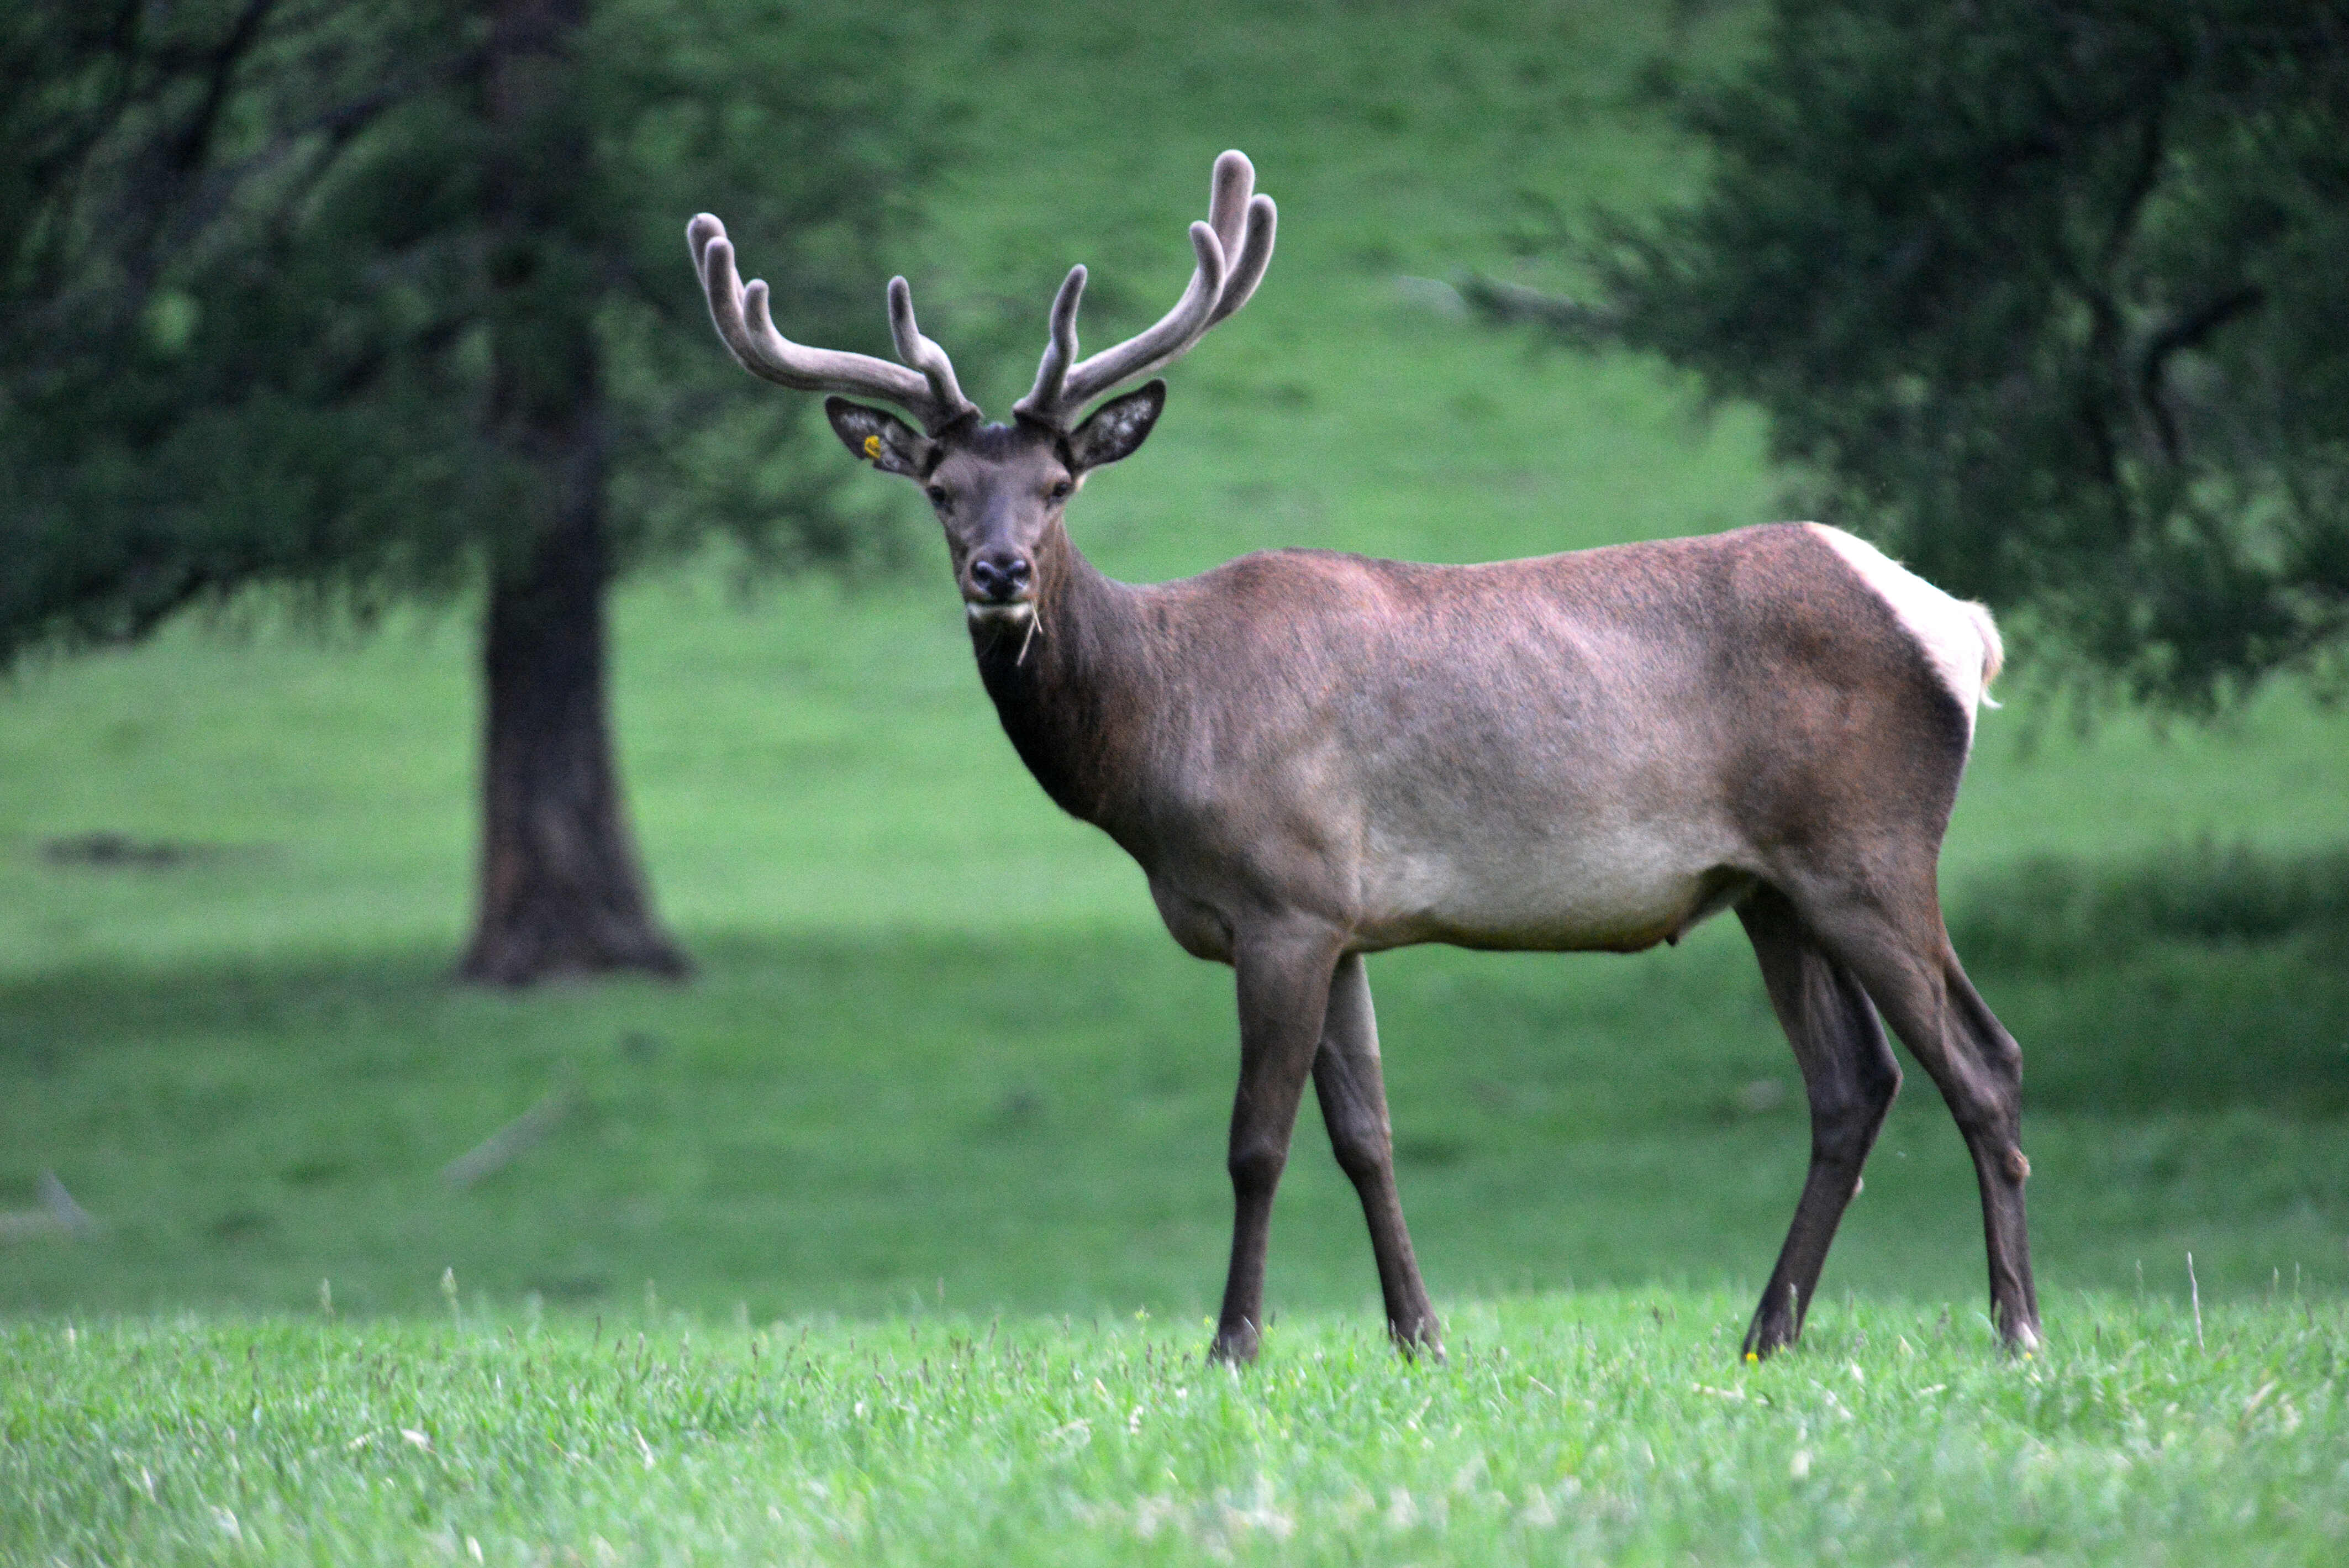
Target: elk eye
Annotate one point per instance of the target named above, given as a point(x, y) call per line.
point(1060, 492)
point(937, 494)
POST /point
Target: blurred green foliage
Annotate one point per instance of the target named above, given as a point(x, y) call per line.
point(2046, 296)
point(2052, 911)
point(289, 291)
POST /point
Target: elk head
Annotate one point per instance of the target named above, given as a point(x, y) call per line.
point(998, 490)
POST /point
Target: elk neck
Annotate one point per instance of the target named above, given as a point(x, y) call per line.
point(1070, 691)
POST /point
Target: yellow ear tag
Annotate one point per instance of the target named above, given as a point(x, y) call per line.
point(873, 448)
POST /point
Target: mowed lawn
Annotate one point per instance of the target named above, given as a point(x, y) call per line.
point(1602, 1428)
point(915, 1195)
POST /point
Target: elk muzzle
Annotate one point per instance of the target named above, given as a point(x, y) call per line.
point(998, 584)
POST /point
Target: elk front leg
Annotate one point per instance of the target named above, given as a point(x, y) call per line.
point(1353, 1096)
point(1284, 992)
point(1850, 1077)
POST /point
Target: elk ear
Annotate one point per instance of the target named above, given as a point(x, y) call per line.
point(1117, 429)
point(881, 439)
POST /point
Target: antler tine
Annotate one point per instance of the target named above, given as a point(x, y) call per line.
point(744, 324)
point(924, 356)
point(1160, 345)
point(1227, 198)
point(1044, 398)
point(1233, 247)
point(1255, 254)
point(1244, 222)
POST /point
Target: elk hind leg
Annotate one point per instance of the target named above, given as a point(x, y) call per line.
point(1993, 1079)
point(1850, 1077)
point(1904, 958)
point(1353, 1091)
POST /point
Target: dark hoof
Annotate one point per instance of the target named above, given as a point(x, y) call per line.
point(1418, 1340)
point(1764, 1339)
point(1777, 1324)
point(1237, 1347)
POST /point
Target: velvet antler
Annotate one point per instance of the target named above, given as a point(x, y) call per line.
point(926, 390)
point(1233, 246)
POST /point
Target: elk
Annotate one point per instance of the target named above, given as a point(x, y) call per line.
point(1316, 756)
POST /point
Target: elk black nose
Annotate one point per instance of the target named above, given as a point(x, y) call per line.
point(999, 576)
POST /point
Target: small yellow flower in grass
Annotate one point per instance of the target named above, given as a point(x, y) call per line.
point(873, 448)
point(1751, 1356)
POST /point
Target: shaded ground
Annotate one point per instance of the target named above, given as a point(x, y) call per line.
point(1035, 1123)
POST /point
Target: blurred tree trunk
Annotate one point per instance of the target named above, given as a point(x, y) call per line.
point(561, 890)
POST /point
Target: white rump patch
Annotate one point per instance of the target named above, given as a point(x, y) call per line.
point(1957, 637)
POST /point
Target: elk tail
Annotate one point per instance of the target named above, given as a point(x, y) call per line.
point(1994, 648)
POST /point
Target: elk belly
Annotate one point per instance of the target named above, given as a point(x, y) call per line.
point(1619, 893)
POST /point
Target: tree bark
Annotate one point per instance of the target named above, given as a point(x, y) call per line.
point(561, 893)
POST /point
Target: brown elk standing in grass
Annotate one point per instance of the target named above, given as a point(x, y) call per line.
point(1316, 756)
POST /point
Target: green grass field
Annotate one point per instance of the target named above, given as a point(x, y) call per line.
point(940, 1126)
point(1608, 1427)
